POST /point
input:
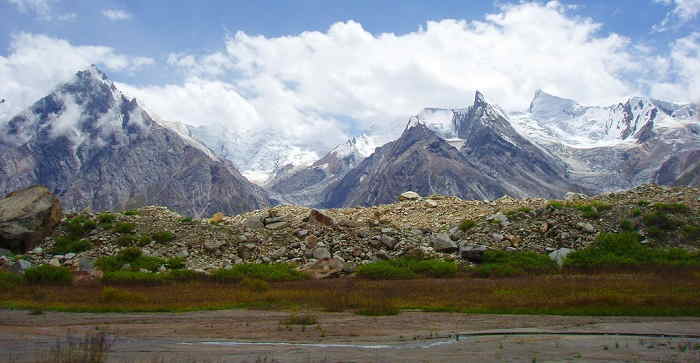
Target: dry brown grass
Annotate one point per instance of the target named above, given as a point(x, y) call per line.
point(638, 293)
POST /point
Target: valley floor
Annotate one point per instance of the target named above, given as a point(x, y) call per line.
point(407, 337)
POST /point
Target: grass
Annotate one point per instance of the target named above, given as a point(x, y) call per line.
point(303, 319)
point(47, 274)
point(616, 250)
point(106, 218)
point(671, 207)
point(466, 225)
point(91, 348)
point(407, 268)
point(9, 280)
point(507, 264)
point(131, 212)
point(641, 292)
point(265, 272)
point(129, 240)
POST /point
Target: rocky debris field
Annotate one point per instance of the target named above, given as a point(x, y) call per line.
point(334, 241)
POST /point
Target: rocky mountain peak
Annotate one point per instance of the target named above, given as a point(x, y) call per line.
point(545, 106)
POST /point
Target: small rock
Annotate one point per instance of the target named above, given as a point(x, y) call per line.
point(497, 237)
point(431, 203)
point(162, 268)
point(247, 250)
point(571, 196)
point(319, 217)
point(301, 233)
point(212, 245)
point(559, 255)
point(69, 255)
point(409, 196)
point(55, 262)
point(126, 266)
point(586, 227)
point(86, 264)
point(183, 253)
point(271, 220)
point(321, 253)
point(388, 241)
point(37, 251)
point(311, 241)
point(276, 225)
point(500, 218)
point(442, 242)
point(254, 222)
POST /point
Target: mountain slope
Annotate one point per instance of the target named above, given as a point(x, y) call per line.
point(95, 148)
point(420, 161)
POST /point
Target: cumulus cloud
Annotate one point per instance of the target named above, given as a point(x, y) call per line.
point(380, 79)
point(678, 74)
point(37, 63)
point(116, 14)
point(43, 9)
point(683, 11)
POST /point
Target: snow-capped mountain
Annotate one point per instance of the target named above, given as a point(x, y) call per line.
point(305, 184)
point(612, 147)
point(257, 153)
point(95, 148)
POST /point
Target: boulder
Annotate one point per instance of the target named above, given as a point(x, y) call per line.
point(499, 218)
point(388, 241)
point(571, 196)
point(254, 222)
point(473, 253)
point(409, 196)
point(442, 242)
point(586, 227)
point(559, 255)
point(321, 253)
point(247, 250)
point(325, 268)
point(213, 245)
point(276, 225)
point(27, 216)
point(20, 266)
point(319, 217)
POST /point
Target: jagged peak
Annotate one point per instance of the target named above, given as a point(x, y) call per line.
point(414, 121)
point(479, 98)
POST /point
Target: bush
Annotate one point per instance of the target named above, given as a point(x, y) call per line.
point(186, 220)
point(625, 250)
point(124, 227)
point(636, 212)
point(131, 212)
point(114, 295)
point(65, 244)
point(127, 240)
point(691, 233)
point(660, 220)
point(671, 207)
point(627, 225)
point(407, 268)
point(255, 285)
point(9, 280)
point(106, 218)
point(175, 263)
point(185, 275)
point(555, 204)
point(503, 264)
point(466, 225)
point(79, 226)
point(47, 274)
point(162, 236)
point(132, 256)
point(267, 272)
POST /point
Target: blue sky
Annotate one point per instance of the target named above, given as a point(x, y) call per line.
point(324, 69)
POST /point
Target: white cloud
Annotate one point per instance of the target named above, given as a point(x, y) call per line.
point(43, 9)
point(37, 63)
point(683, 11)
point(116, 14)
point(678, 74)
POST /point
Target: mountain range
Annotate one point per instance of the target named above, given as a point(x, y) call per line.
point(96, 148)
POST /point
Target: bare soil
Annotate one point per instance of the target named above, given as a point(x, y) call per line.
point(343, 337)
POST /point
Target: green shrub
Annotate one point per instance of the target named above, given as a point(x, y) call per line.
point(636, 212)
point(555, 204)
point(9, 280)
point(162, 236)
point(175, 263)
point(671, 207)
point(627, 225)
point(625, 250)
point(106, 217)
point(124, 227)
point(385, 270)
point(114, 295)
point(255, 285)
point(643, 203)
point(504, 263)
point(79, 226)
point(132, 256)
point(589, 211)
point(47, 274)
point(126, 240)
point(466, 225)
point(691, 233)
point(185, 275)
point(660, 220)
point(435, 268)
point(267, 272)
point(185, 220)
point(66, 244)
point(131, 212)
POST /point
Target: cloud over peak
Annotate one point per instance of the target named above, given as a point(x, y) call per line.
point(116, 14)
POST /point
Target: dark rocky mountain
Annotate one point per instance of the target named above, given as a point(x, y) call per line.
point(95, 148)
point(498, 150)
point(419, 161)
point(682, 169)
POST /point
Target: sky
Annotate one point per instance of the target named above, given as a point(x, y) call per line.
point(320, 71)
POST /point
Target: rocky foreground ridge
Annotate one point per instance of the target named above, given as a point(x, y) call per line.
point(337, 240)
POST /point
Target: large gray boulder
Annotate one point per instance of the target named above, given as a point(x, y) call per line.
point(27, 216)
point(442, 242)
point(559, 255)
